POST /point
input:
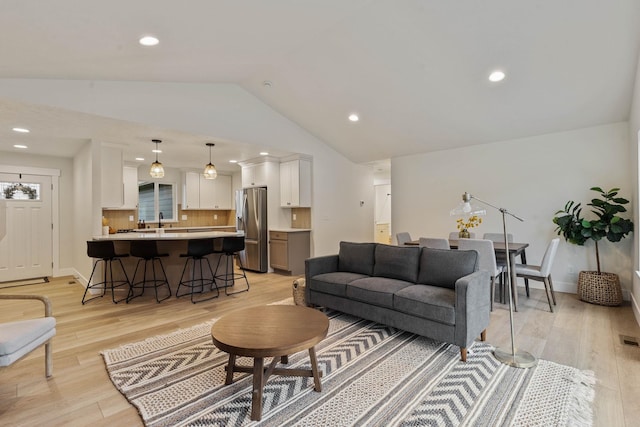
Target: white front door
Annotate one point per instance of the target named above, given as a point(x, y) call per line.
point(26, 250)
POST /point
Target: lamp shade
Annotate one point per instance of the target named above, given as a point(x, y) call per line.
point(465, 207)
point(210, 171)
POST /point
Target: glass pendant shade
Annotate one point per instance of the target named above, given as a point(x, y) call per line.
point(465, 207)
point(210, 171)
point(157, 170)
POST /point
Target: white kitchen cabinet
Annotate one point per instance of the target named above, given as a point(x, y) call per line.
point(254, 175)
point(111, 170)
point(295, 184)
point(201, 193)
point(130, 178)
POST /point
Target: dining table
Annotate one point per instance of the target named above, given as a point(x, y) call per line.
point(515, 250)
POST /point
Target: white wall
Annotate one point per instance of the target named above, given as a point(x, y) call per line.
point(224, 111)
point(531, 177)
point(634, 140)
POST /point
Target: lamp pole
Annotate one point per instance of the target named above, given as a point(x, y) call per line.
point(515, 358)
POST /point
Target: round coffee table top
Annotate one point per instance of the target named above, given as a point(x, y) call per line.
point(270, 330)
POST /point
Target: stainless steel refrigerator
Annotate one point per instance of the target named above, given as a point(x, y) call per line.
point(251, 217)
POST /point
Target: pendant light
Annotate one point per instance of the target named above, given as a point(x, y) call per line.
point(157, 171)
point(210, 171)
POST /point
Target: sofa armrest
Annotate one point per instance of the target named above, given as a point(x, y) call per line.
point(320, 265)
point(473, 306)
point(45, 300)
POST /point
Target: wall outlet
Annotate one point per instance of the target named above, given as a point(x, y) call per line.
point(215, 216)
point(130, 217)
point(184, 217)
point(294, 217)
point(570, 269)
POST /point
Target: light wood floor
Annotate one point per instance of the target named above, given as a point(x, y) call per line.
point(80, 393)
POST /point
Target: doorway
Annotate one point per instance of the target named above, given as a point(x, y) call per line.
point(26, 250)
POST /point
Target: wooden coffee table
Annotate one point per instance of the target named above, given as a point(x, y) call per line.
point(270, 331)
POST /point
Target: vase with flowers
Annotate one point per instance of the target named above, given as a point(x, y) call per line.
point(464, 226)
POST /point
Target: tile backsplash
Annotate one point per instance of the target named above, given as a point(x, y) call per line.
point(119, 219)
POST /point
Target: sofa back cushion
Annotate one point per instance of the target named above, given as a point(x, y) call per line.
point(397, 262)
point(356, 257)
point(442, 267)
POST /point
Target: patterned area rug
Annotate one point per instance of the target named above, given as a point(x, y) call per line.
point(373, 375)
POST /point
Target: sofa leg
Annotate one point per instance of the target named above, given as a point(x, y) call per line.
point(463, 354)
point(483, 335)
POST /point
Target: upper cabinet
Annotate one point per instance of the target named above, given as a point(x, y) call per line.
point(201, 193)
point(254, 175)
point(295, 184)
point(111, 170)
point(130, 177)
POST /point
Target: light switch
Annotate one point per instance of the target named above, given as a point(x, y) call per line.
point(130, 217)
point(184, 217)
point(215, 216)
point(294, 217)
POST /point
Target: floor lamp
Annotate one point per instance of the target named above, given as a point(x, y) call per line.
point(515, 358)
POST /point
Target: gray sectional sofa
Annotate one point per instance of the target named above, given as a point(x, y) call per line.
point(431, 292)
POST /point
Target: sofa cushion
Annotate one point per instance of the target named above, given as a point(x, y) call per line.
point(375, 290)
point(442, 267)
point(356, 257)
point(429, 302)
point(333, 283)
point(397, 262)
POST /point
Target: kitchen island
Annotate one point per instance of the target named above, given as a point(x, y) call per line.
point(173, 244)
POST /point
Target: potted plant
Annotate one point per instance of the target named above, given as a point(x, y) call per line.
point(596, 286)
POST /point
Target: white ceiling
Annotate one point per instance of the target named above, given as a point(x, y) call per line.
point(414, 70)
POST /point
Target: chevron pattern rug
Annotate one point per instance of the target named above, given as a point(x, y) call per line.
point(373, 375)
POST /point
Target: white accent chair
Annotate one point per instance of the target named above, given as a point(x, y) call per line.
point(454, 235)
point(403, 238)
point(486, 259)
point(433, 242)
point(18, 338)
point(542, 272)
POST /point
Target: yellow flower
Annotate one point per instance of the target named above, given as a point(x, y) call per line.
point(472, 221)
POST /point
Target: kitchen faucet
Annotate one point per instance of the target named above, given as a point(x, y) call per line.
point(160, 218)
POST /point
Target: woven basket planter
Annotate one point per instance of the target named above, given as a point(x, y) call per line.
point(602, 289)
point(299, 286)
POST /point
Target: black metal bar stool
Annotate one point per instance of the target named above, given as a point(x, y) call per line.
point(197, 251)
point(104, 251)
point(231, 246)
point(147, 251)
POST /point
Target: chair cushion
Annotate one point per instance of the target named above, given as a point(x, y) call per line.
point(528, 270)
point(442, 267)
point(16, 335)
point(397, 262)
point(356, 257)
point(375, 290)
point(333, 283)
point(429, 302)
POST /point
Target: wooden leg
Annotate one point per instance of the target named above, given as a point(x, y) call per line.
point(463, 354)
point(314, 369)
point(256, 396)
point(546, 289)
point(493, 291)
point(48, 359)
point(230, 366)
point(523, 259)
point(483, 335)
point(284, 359)
point(553, 294)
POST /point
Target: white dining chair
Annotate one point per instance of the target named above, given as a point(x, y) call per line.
point(498, 237)
point(403, 238)
point(433, 242)
point(542, 272)
point(486, 259)
point(454, 235)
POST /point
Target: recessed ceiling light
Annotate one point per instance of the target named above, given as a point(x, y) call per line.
point(140, 159)
point(21, 130)
point(20, 146)
point(233, 161)
point(496, 76)
point(156, 151)
point(354, 117)
point(264, 153)
point(149, 41)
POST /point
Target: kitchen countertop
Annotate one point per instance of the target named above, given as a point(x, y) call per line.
point(169, 236)
point(289, 230)
point(172, 229)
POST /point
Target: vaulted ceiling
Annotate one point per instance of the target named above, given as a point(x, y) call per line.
point(415, 71)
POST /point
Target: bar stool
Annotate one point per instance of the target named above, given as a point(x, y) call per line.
point(104, 251)
point(231, 246)
point(197, 251)
point(147, 251)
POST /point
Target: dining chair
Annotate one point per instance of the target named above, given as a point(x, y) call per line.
point(454, 235)
point(542, 272)
point(433, 242)
point(486, 260)
point(403, 238)
point(498, 237)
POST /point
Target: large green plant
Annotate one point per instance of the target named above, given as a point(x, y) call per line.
point(578, 230)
